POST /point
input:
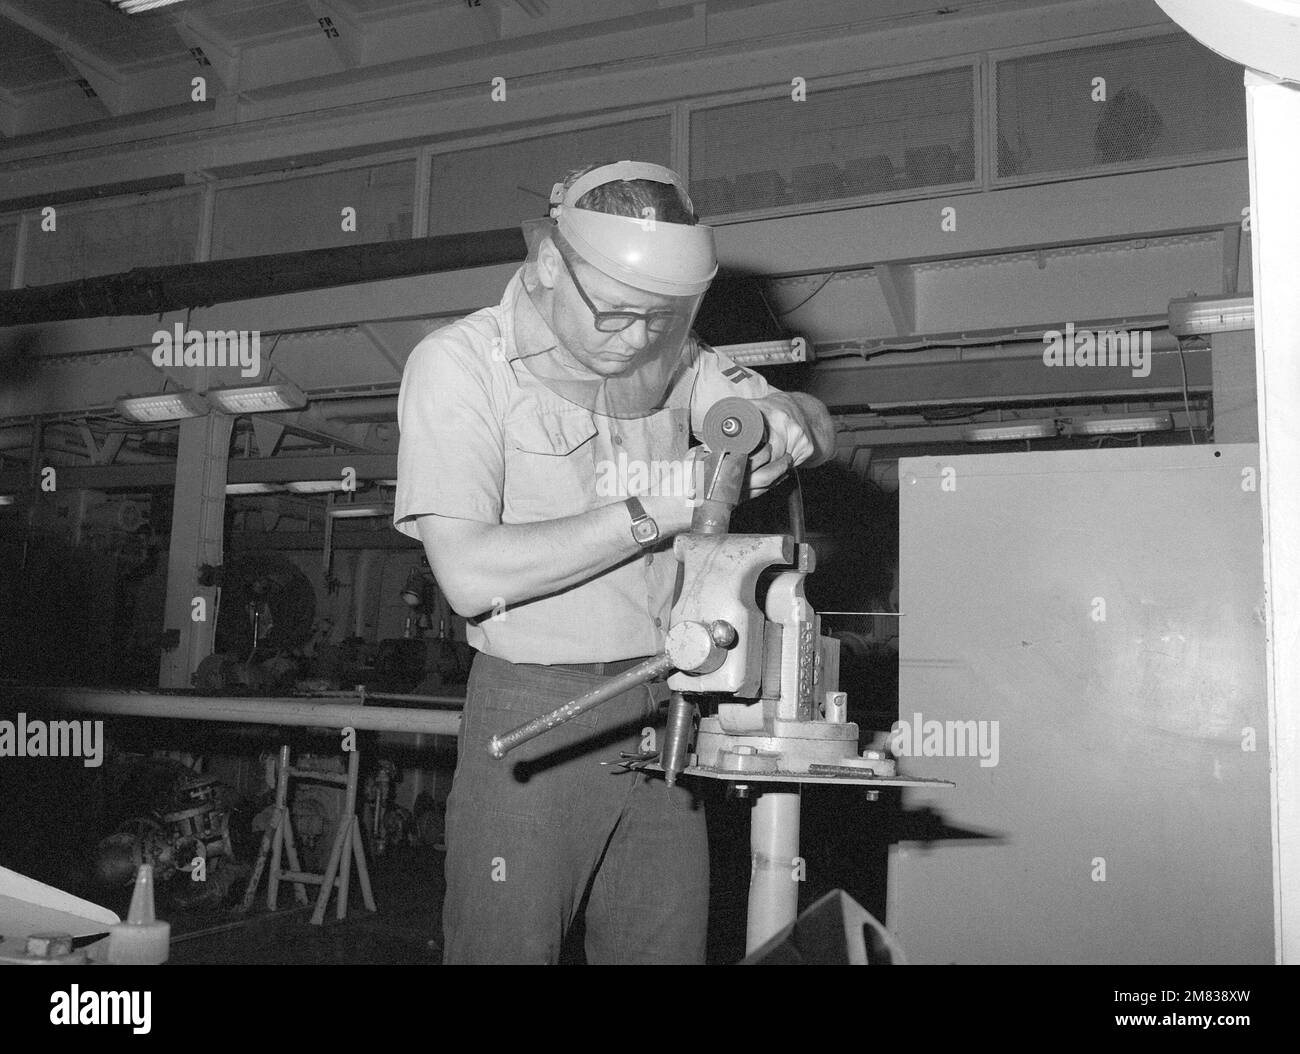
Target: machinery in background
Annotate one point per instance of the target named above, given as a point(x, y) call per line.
point(424, 660)
point(385, 823)
point(268, 608)
point(185, 838)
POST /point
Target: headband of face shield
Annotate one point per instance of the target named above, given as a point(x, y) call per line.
point(622, 297)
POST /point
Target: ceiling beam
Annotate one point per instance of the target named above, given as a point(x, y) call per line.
point(898, 286)
point(343, 29)
point(10, 113)
point(220, 53)
point(107, 81)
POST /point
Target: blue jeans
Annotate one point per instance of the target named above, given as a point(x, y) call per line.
point(530, 835)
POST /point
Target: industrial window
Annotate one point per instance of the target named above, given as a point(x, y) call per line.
point(309, 212)
point(1131, 103)
point(490, 187)
point(88, 242)
point(887, 137)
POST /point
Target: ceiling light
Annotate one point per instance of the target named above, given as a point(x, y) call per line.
point(258, 398)
point(1193, 315)
point(170, 406)
point(1009, 433)
point(253, 488)
point(6, 499)
point(1103, 426)
point(315, 486)
point(766, 352)
point(136, 7)
point(360, 511)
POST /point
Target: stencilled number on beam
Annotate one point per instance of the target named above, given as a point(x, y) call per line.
point(349, 476)
point(498, 89)
point(49, 218)
point(1098, 612)
point(947, 479)
point(348, 737)
point(1249, 479)
point(49, 479)
point(198, 89)
point(798, 869)
point(498, 869)
point(1098, 89)
point(1099, 869)
point(798, 89)
point(948, 219)
point(198, 869)
point(349, 215)
point(199, 609)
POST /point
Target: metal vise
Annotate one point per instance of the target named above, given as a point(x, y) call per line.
point(773, 674)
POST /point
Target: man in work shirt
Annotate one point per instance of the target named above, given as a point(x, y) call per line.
point(527, 430)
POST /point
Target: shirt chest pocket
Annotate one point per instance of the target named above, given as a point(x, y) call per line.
point(550, 466)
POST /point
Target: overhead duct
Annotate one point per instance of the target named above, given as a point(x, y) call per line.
point(156, 290)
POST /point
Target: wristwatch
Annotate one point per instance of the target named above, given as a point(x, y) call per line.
point(644, 530)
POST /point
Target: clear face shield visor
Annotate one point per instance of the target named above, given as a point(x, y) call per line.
point(606, 319)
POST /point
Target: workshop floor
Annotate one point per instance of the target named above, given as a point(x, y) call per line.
point(406, 930)
point(408, 889)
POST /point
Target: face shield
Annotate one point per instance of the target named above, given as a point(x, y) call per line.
point(610, 299)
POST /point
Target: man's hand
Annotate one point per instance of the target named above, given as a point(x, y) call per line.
point(799, 431)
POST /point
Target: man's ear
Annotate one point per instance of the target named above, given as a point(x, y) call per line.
point(548, 263)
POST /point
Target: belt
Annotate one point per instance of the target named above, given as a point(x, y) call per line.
point(600, 669)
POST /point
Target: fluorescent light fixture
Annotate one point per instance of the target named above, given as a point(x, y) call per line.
point(257, 398)
point(170, 406)
point(1190, 316)
point(1105, 426)
point(1009, 433)
point(314, 486)
point(136, 7)
point(253, 488)
point(766, 352)
point(360, 511)
point(6, 499)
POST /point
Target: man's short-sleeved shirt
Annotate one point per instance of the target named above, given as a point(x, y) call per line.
point(483, 439)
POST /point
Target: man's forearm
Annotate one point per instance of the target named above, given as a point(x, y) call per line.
point(482, 566)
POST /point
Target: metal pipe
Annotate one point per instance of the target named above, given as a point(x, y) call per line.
point(774, 855)
point(301, 713)
point(501, 745)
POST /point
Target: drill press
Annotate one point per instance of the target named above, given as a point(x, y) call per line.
point(763, 678)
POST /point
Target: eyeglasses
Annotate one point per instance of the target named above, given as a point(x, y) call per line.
point(657, 323)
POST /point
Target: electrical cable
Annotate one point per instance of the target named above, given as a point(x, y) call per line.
point(1187, 405)
point(824, 283)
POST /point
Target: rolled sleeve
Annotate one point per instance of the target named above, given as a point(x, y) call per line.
point(450, 458)
point(717, 377)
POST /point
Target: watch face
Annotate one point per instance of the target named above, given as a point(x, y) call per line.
point(646, 531)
